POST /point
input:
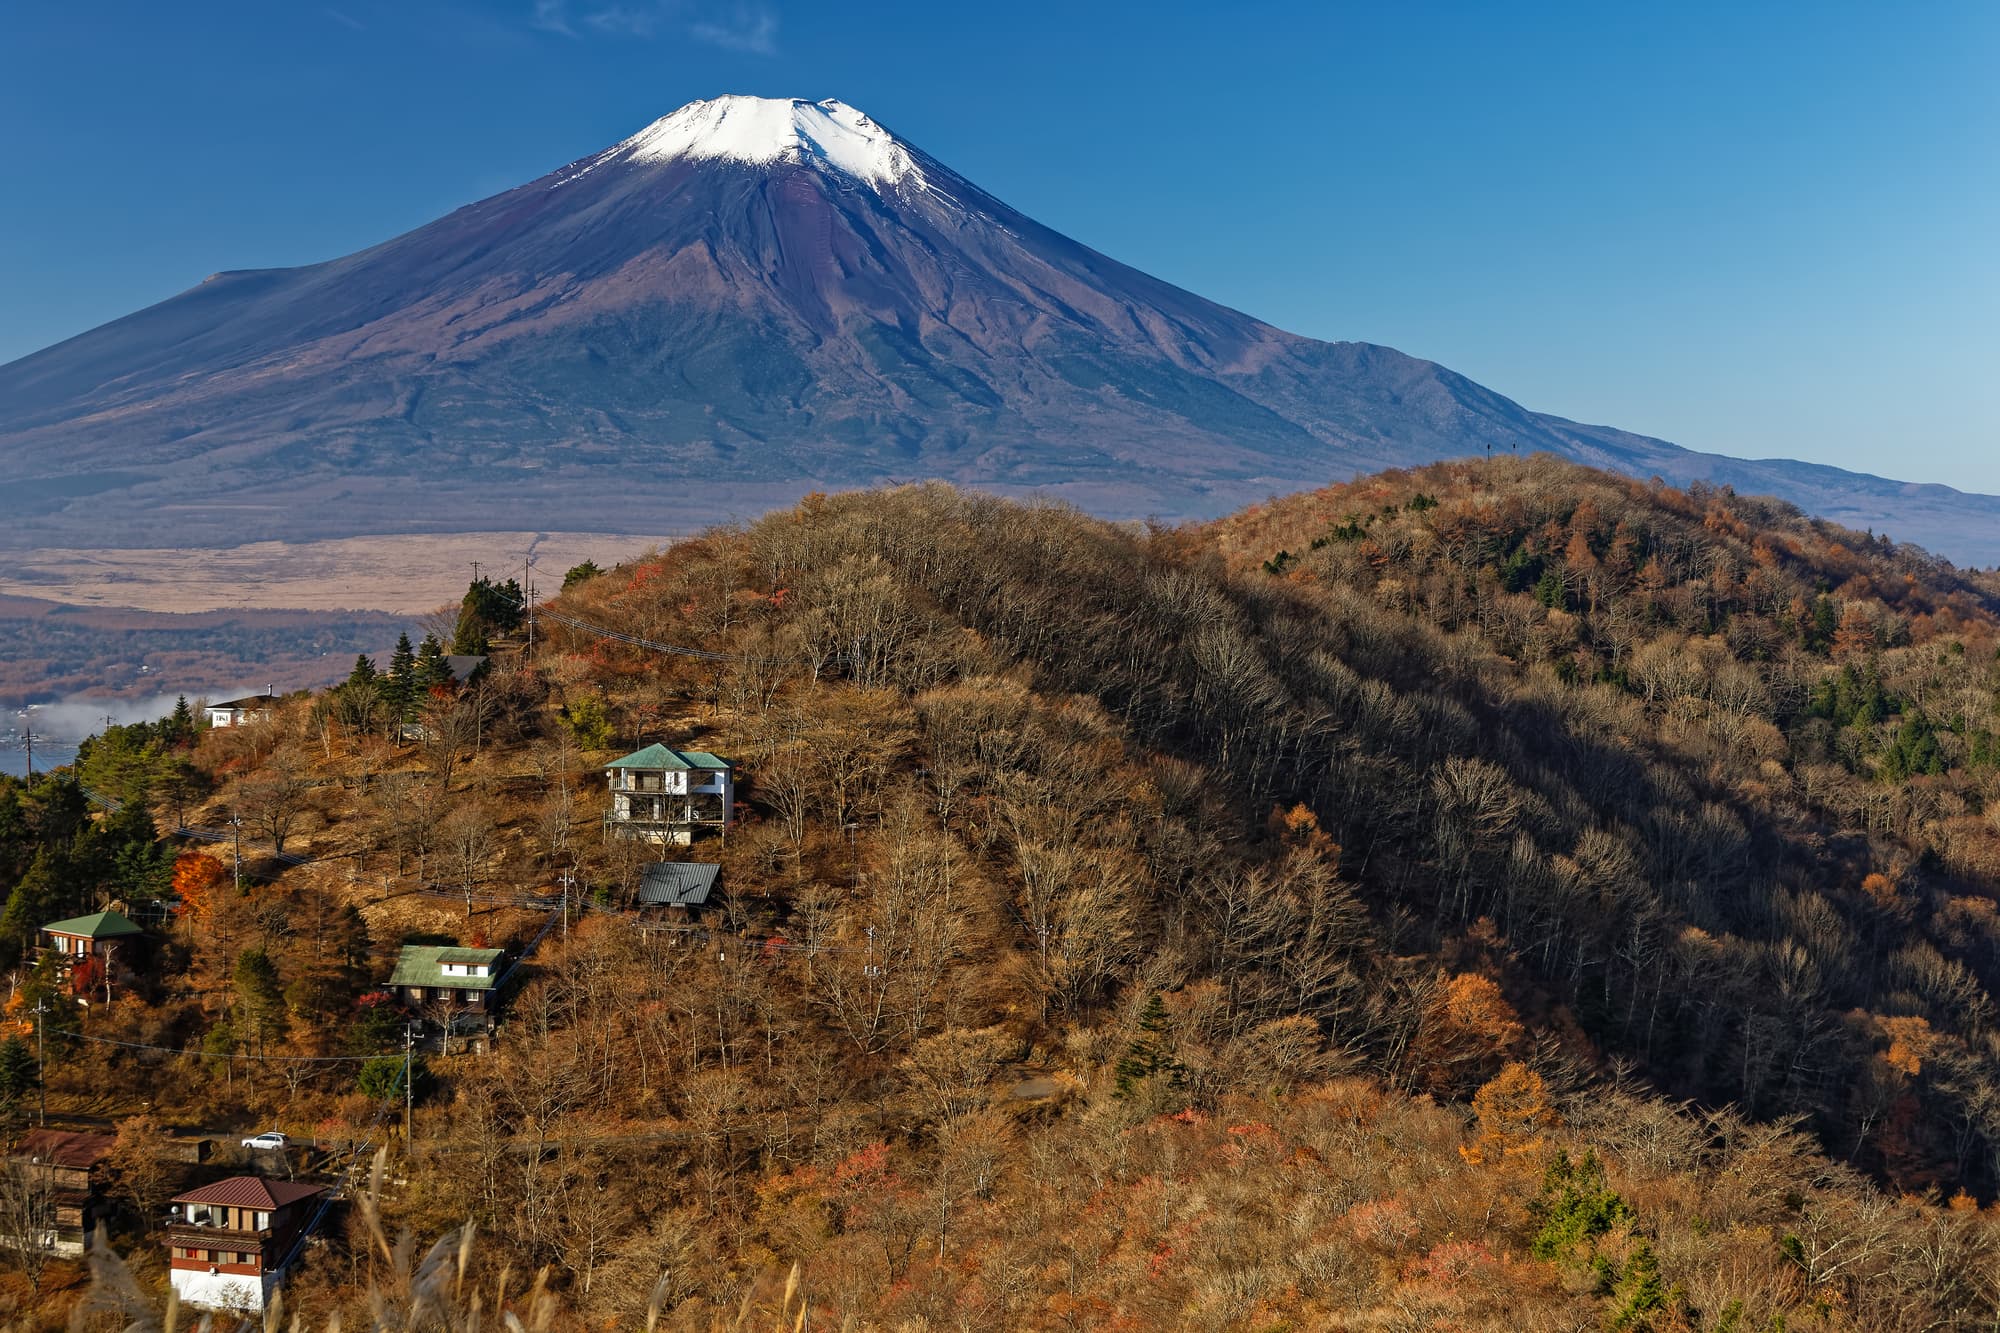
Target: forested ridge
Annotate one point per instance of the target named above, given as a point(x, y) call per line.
point(1494, 895)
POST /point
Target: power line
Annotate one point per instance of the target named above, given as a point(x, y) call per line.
point(80, 1034)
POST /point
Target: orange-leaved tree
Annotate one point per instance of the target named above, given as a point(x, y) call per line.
point(1468, 1030)
point(198, 878)
point(1514, 1115)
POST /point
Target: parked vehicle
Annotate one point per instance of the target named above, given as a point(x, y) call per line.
point(268, 1139)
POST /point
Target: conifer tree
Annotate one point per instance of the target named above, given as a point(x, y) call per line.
point(399, 685)
point(46, 892)
point(180, 726)
point(260, 1000)
point(488, 608)
point(19, 1074)
point(15, 835)
point(432, 671)
point(364, 669)
point(1146, 1056)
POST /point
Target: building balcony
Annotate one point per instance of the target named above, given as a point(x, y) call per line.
point(188, 1235)
point(685, 819)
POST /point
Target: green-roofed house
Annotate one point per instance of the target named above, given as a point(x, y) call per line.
point(98, 935)
point(451, 986)
point(666, 795)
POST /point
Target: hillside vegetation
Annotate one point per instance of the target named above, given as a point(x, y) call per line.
point(1492, 896)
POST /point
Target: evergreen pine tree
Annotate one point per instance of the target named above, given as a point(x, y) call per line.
point(488, 608)
point(1642, 1293)
point(399, 686)
point(16, 843)
point(364, 670)
point(35, 901)
point(259, 999)
point(19, 1074)
point(432, 671)
point(180, 728)
point(1146, 1056)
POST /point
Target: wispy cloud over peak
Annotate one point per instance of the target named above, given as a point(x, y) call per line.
point(740, 26)
point(751, 28)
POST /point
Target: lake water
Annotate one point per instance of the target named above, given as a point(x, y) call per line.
point(14, 756)
point(59, 726)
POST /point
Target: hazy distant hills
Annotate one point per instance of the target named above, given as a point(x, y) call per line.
point(747, 300)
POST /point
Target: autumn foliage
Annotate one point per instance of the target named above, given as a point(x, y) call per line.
point(1496, 896)
point(198, 877)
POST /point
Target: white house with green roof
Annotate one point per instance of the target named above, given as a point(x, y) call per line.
point(451, 985)
point(666, 795)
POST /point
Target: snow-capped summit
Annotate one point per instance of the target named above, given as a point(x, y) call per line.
point(747, 300)
point(762, 130)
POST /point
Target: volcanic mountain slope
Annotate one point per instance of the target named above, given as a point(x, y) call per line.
point(748, 299)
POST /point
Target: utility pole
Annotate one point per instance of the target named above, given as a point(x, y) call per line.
point(409, 1086)
point(528, 591)
point(28, 730)
point(236, 835)
point(41, 1077)
point(566, 881)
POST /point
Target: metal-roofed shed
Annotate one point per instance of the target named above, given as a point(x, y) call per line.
point(677, 884)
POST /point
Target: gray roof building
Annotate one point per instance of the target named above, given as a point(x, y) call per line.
point(677, 884)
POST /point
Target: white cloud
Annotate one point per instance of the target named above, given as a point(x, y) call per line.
point(627, 20)
point(739, 26)
point(552, 16)
point(751, 28)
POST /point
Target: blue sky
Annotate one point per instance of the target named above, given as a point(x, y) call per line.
point(1756, 229)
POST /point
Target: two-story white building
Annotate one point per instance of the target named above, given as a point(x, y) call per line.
point(228, 1243)
point(665, 795)
point(237, 712)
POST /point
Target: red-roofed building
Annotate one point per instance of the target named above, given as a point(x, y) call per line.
point(60, 1167)
point(229, 1242)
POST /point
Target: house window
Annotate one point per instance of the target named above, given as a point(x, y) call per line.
point(263, 1221)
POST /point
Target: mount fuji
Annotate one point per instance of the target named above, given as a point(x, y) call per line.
point(748, 299)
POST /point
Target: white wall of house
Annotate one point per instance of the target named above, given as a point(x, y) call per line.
point(222, 1291)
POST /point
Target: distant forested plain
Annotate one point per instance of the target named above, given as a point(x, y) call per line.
point(49, 651)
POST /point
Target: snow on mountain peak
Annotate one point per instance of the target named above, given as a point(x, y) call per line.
point(768, 129)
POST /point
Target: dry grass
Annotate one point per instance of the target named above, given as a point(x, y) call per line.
point(405, 574)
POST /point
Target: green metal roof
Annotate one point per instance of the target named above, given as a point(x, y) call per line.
point(96, 926)
point(423, 965)
point(657, 756)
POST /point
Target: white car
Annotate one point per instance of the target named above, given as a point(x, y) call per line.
point(268, 1139)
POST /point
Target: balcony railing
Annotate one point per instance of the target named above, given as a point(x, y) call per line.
point(187, 1234)
point(612, 819)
